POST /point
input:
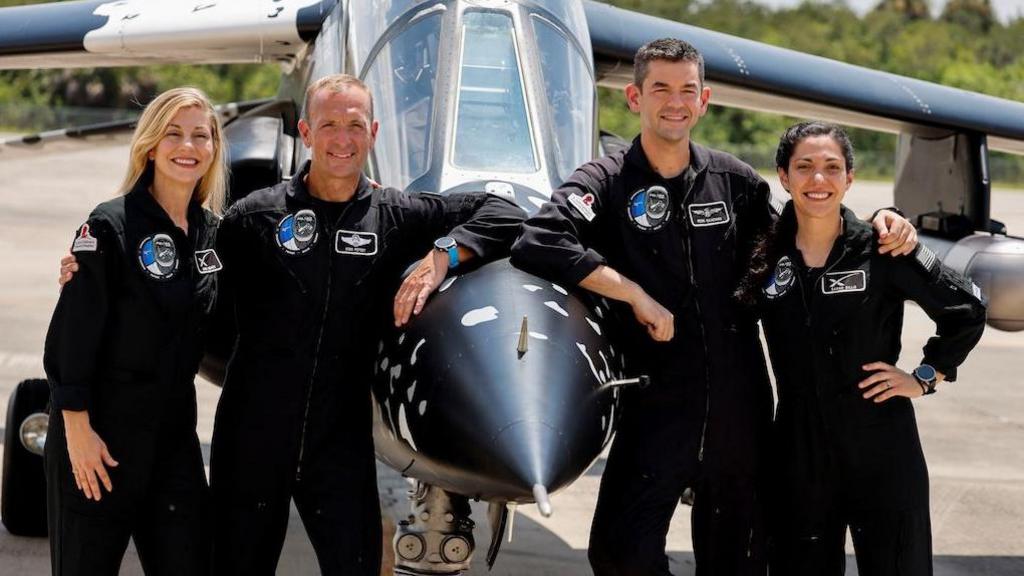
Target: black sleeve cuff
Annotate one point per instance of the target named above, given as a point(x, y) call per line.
point(949, 372)
point(590, 261)
point(74, 398)
point(892, 208)
point(469, 241)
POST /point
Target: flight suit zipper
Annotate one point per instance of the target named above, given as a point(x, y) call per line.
point(688, 240)
point(807, 308)
point(316, 348)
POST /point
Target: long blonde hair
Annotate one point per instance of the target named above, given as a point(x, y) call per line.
point(210, 189)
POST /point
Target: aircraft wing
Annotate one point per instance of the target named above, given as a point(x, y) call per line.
point(757, 76)
point(91, 33)
point(105, 133)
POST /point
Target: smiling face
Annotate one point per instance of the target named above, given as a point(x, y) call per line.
point(185, 151)
point(339, 132)
point(817, 177)
point(671, 100)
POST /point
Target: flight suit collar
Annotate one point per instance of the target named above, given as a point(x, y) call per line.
point(299, 191)
point(857, 236)
point(636, 156)
point(144, 199)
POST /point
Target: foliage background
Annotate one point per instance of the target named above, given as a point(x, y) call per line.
point(961, 45)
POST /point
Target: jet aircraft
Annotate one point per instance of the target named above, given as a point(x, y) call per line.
point(506, 387)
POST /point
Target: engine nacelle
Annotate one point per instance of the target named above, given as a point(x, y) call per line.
point(996, 264)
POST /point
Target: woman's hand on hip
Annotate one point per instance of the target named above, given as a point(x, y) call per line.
point(88, 454)
point(888, 381)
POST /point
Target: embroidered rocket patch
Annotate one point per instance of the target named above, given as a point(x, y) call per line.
point(781, 280)
point(158, 257)
point(297, 233)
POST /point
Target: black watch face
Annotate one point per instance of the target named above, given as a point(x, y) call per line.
point(925, 372)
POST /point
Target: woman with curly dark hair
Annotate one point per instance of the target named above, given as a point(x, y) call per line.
point(846, 451)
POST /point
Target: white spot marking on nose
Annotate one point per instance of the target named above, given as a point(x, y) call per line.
point(403, 426)
point(594, 326)
point(531, 287)
point(593, 369)
point(479, 316)
point(412, 360)
point(607, 368)
point(447, 284)
point(554, 306)
point(559, 289)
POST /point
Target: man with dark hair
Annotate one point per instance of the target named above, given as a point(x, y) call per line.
point(666, 50)
point(666, 229)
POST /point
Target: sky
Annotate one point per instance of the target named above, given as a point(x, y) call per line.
point(1005, 9)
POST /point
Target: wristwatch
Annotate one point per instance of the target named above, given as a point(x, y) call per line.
point(447, 244)
point(926, 377)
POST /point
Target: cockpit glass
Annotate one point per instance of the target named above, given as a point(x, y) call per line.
point(372, 19)
point(492, 128)
point(570, 14)
point(570, 94)
point(402, 80)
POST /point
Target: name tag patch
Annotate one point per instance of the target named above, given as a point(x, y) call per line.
point(207, 261)
point(843, 282)
point(355, 243)
point(584, 204)
point(85, 242)
point(709, 214)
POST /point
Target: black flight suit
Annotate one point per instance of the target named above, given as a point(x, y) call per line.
point(685, 241)
point(125, 343)
point(839, 459)
point(313, 284)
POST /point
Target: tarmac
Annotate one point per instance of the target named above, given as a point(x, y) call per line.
point(972, 431)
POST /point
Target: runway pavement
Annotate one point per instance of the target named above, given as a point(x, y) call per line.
point(973, 430)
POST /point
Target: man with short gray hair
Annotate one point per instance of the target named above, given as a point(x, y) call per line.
point(311, 265)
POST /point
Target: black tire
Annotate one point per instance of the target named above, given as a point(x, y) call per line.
point(23, 500)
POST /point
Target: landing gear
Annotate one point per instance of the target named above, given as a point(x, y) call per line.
point(23, 501)
point(437, 538)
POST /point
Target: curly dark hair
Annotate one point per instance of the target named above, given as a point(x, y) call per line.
point(797, 133)
point(669, 49)
point(764, 243)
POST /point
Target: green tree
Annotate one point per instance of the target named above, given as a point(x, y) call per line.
point(910, 9)
point(973, 15)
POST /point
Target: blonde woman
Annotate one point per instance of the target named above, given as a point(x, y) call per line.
point(123, 459)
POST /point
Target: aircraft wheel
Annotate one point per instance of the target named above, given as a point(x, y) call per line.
point(23, 499)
